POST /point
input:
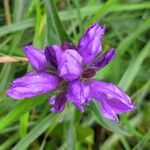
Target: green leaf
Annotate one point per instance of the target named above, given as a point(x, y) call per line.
point(142, 142)
point(38, 130)
point(20, 9)
point(78, 13)
point(52, 13)
point(23, 107)
point(17, 27)
point(114, 138)
point(90, 10)
point(100, 12)
point(127, 41)
point(134, 68)
point(97, 15)
point(70, 134)
point(4, 43)
point(110, 125)
point(84, 134)
point(24, 120)
point(5, 76)
point(9, 142)
point(38, 40)
point(130, 127)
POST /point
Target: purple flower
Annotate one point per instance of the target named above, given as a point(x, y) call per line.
point(69, 69)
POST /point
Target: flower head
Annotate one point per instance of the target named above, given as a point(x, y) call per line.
point(69, 69)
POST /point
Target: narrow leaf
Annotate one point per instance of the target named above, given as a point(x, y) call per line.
point(37, 131)
point(110, 125)
point(17, 27)
point(133, 68)
point(23, 107)
point(24, 120)
point(142, 142)
point(52, 13)
point(125, 44)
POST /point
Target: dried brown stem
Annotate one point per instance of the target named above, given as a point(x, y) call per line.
point(7, 11)
point(8, 59)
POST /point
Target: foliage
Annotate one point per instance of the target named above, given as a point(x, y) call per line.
point(28, 124)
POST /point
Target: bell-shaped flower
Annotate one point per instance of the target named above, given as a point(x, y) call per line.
point(69, 69)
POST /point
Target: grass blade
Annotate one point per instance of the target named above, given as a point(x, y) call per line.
point(133, 68)
point(23, 107)
point(16, 27)
point(52, 13)
point(100, 12)
point(90, 10)
point(125, 44)
point(9, 142)
point(110, 125)
point(24, 120)
point(37, 131)
point(142, 142)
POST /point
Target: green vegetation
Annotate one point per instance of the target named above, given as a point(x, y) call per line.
point(28, 124)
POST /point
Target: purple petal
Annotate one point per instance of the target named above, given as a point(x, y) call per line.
point(36, 58)
point(106, 110)
point(119, 107)
point(70, 65)
point(58, 102)
point(90, 43)
point(110, 89)
point(115, 98)
point(78, 94)
point(103, 60)
point(33, 84)
point(53, 54)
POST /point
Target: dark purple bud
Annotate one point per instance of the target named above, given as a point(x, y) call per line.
point(89, 73)
point(58, 102)
point(103, 60)
point(50, 56)
point(67, 45)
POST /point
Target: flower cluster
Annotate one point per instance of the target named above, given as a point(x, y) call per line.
point(69, 69)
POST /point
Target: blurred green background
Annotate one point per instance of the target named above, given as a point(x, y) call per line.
point(28, 124)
